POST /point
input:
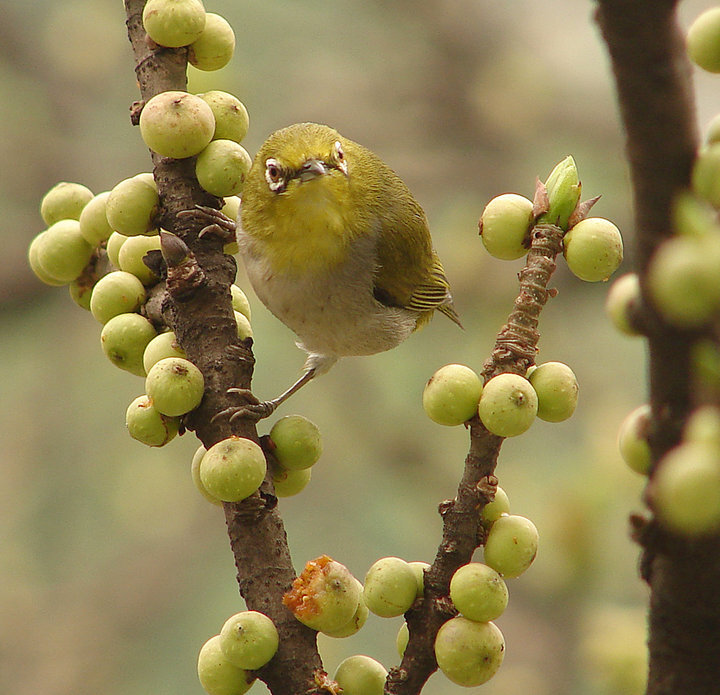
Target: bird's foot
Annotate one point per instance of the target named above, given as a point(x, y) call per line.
point(253, 408)
point(216, 222)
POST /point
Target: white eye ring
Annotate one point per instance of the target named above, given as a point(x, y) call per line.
point(340, 156)
point(274, 174)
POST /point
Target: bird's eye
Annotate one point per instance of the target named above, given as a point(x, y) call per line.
point(340, 158)
point(274, 175)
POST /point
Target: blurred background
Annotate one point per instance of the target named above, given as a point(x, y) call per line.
point(113, 569)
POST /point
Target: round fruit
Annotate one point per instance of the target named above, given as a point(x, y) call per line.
point(478, 592)
point(297, 441)
point(505, 224)
point(93, 221)
point(511, 545)
point(195, 472)
point(390, 587)
point(451, 395)
point(113, 246)
point(161, 346)
point(361, 675)
point(174, 23)
point(124, 338)
point(467, 652)
point(419, 568)
point(355, 623)
point(244, 329)
point(147, 425)
point(508, 405)
point(682, 278)
point(131, 256)
point(288, 483)
point(632, 439)
point(132, 206)
point(623, 299)
point(64, 201)
point(557, 391)
point(703, 40)
point(325, 596)
point(62, 252)
point(222, 166)
point(217, 675)
point(215, 46)
point(703, 426)
point(81, 292)
point(686, 489)
point(35, 266)
point(705, 178)
point(232, 469)
point(492, 511)
point(593, 249)
point(231, 116)
point(249, 640)
point(176, 124)
point(240, 302)
point(402, 639)
point(176, 386)
point(116, 293)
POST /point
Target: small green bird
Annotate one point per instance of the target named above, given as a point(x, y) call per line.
point(337, 248)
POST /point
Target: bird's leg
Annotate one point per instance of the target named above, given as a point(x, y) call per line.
point(216, 222)
point(257, 410)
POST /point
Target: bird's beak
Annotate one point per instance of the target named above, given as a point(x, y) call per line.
point(311, 169)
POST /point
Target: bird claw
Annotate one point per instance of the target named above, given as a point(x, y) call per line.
point(253, 409)
point(216, 222)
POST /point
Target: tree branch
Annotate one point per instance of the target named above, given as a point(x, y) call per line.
point(201, 315)
point(515, 349)
point(654, 88)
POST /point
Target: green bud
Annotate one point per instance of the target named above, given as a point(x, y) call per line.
point(563, 190)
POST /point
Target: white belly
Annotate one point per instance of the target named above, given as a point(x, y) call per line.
point(335, 315)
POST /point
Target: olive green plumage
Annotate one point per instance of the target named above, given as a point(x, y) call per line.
point(336, 246)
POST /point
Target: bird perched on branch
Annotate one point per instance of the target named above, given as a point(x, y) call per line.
point(337, 248)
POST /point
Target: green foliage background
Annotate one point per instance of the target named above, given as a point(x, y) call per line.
point(113, 570)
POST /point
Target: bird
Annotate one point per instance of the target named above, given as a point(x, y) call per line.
point(337, 248)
